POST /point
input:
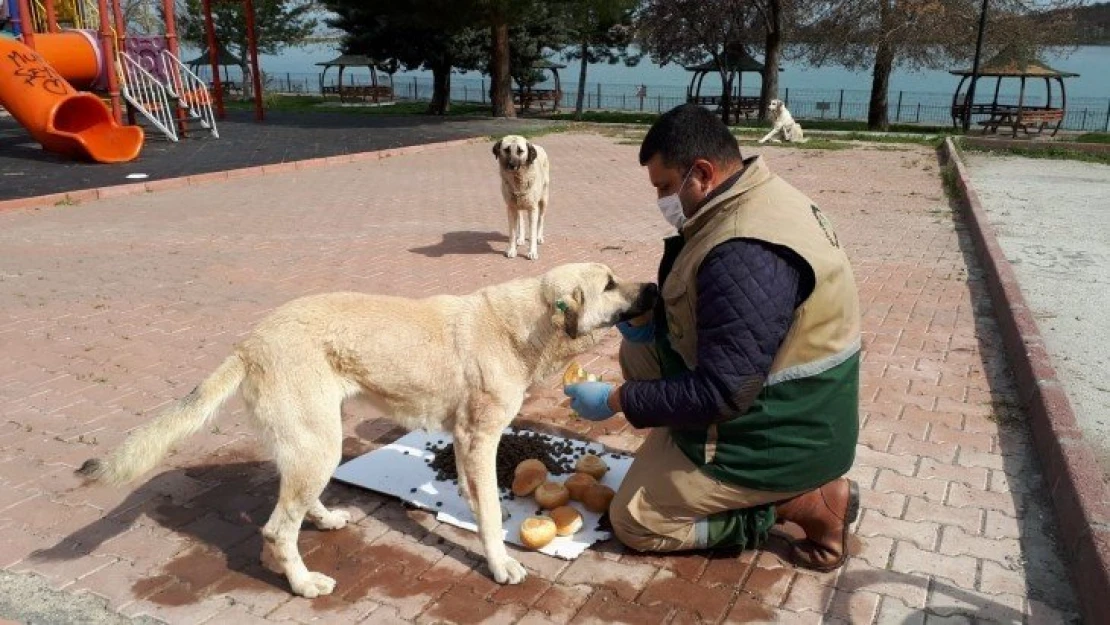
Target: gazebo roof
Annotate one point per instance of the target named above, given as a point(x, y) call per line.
point(350, 60)
point(546, 64)
point(226, 58)
point(740, 60)
point(1016, 62)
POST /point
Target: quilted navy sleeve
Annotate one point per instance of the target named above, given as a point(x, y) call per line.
point(747, 293)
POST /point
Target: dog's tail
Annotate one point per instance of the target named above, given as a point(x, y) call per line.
point(149, 444)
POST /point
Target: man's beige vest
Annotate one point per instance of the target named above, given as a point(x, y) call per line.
point(819, 357)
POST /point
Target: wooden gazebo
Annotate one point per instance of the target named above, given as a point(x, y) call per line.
point(740, 62)
point(1013, 62)
point(225, 60)
point(374, 91)
point(526, 95)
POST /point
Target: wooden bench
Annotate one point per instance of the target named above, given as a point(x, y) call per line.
point(525, 99)
point(747, 106)
point(1025, 120)
point(359, 92)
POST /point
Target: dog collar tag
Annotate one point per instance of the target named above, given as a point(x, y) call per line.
point(561, 305)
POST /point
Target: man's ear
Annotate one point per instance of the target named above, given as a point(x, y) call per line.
point(497, 149)
point(531, 153)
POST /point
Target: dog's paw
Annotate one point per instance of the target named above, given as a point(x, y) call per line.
point(313, 585)
point(522, 241)
point(333, 520)
point(533, 254)
point(508, 571)
point(762, 141)
point(510, 253)
point(539, 239)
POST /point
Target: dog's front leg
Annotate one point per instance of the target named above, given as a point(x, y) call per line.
point(514, 222)
point(767, 137)
point(534, 231)
point(479, 450)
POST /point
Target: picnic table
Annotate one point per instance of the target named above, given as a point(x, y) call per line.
point(748, 106)
point(525, 98)
point(1024, 119)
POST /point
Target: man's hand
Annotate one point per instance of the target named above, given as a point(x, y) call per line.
point(634, 333)
point(591, 400)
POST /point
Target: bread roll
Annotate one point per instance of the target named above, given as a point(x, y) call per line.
point(592, 465)
point(597, 498)
point(552, 495)
point(567, 520)
point(577, 485)
point(530, 464)
point(528, 481)
point(537, 531)
point(574, 374)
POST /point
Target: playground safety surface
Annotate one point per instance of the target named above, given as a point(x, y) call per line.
point(27, 171)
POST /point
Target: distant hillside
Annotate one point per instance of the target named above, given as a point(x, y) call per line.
point(1093, 24)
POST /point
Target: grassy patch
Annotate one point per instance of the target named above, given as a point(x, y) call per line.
point(303, 104)
point(1094, 137)
point(1049, 153)
point(950, 179)
point(530, 133)
point(609, 117)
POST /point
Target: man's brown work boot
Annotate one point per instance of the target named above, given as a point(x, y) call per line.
point(825, 514)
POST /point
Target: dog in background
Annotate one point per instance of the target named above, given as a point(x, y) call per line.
point(525, 184)
point(783, 123)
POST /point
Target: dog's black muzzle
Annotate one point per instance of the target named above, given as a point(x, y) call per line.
point(646, 297)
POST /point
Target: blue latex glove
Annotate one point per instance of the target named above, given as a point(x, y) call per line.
point(590, 399)
point(637, 334)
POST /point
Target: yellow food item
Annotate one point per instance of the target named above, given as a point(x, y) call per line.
point(597, 498)
point(577, 485)
point(592, 465)
point(551, 495)
point(530, 464)
point(567, 520)
point(574, 374)
point(537, 531)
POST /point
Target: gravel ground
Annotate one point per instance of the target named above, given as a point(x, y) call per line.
point(1052, 219)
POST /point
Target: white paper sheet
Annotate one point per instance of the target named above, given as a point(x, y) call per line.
point(400, 469)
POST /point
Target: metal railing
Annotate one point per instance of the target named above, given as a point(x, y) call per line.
point(190, 91)
point(148, 95)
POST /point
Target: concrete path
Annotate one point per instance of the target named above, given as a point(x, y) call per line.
point(1052, 219)
point(111, 309)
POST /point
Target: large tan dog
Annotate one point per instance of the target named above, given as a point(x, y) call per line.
point(783, 124)
point(456, 363)
point(525, 186)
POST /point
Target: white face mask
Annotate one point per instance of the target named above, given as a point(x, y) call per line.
point(671, 205)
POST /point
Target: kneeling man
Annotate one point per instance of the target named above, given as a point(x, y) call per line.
point(747, 372)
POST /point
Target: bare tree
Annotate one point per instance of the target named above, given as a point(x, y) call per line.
point(693, 31)
point(920, 34)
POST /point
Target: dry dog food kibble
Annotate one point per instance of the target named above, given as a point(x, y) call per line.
point(515, 448)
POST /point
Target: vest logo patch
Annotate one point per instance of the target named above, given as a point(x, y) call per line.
point(826, 226)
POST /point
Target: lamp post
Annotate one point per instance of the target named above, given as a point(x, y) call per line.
point(975, 66)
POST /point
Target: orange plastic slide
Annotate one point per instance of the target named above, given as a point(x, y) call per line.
point(62, 119)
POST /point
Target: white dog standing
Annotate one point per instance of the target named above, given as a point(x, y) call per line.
point(783, 124)
point(525, 184)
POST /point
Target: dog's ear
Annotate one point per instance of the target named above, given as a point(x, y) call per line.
point(569, 309)
point(497, 149)
point(531, 153)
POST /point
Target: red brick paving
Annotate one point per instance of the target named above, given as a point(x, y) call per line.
point(112, 308)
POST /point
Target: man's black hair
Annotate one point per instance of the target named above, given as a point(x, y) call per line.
point(686, 133)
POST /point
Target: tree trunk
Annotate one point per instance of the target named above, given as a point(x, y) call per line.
point(582, 81)
point(880, 85)
point(248, 84)
point(726, 96)
point(501, 82)
point(772, 51)
point(441, 90)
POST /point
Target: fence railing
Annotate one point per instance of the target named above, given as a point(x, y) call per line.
point(913, 107)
